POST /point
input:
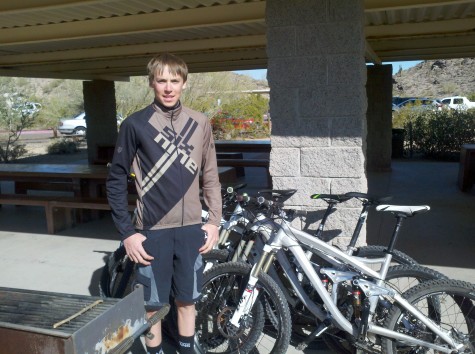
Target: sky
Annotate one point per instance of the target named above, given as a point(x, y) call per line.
point(262, 73)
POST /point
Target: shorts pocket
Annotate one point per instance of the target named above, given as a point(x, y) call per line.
point(145, 281)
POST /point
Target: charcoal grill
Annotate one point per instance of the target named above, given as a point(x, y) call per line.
point(54, 323)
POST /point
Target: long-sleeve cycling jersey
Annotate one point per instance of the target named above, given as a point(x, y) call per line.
point(167, 150)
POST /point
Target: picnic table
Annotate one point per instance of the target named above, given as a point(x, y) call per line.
point(85, 182)
point(82, 179)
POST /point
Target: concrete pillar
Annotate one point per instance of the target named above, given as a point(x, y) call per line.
point(101, 120)
point(317, 75)
point(379, 117)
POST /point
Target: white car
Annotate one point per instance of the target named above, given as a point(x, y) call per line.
point(73, 126)
point(420, 104)
point(458, 102)
point(77, 125)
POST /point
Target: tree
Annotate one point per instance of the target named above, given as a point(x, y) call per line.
point(132, 96)
point(13, 119)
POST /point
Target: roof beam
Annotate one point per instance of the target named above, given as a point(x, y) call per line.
point(388, 5)
point(139, 49)
point(15, 6)
point(371, 54)
point(386, 32)
point(113, 26)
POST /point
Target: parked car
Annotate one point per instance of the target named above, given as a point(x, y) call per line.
point(458, 102)
point(77, 125)
point(420, 104)
point(73, 126)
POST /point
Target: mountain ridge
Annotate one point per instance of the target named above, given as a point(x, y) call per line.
point(436, 79)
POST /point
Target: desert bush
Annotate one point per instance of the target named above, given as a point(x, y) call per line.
point(13, 120)
point(12, 152)
point(439, 134)
point(64, 146)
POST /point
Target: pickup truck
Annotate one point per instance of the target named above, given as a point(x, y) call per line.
point(458, 102)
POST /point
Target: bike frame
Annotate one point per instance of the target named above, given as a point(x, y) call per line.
point(292, 239)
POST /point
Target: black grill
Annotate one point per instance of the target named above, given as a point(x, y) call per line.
point(43, 322)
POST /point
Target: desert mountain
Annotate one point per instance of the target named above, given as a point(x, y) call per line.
point(436, 79)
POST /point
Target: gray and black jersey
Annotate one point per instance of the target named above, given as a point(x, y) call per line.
point(167, 150)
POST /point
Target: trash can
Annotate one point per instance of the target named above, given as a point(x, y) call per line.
point(397, 143)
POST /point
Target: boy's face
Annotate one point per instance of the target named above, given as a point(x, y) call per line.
point(167, 87)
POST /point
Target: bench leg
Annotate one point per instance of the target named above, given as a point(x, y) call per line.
point(58, 219)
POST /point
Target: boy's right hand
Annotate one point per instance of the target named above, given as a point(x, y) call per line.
point(134, 248)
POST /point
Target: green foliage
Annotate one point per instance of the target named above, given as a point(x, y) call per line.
point(132, 96)
point(440, 134)
point(64, 100)
point(13, 120)
point(471, 97)
point(242, 118)
point(12, 152)
point(248, 106)
point(64, 146)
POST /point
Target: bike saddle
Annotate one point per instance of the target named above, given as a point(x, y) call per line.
point(331, 198)
point(404, 210)
point(370, 199)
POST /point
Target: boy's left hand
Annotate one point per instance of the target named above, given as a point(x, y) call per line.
point(212, 240)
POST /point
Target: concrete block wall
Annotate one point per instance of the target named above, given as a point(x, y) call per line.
point(317, 75)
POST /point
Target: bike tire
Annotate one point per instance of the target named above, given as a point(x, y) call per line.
point(374, 251)
point(214, 257)
point(454, 312)
point(401, 277)
point(222, 288)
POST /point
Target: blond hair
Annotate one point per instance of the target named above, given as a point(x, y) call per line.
point(176, 66)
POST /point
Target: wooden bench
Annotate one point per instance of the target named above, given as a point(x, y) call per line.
point(466, 176)
point(59, 210)
point(62, 210)
point(32, 200)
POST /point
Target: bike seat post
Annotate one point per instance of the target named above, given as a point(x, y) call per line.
point(397, 227)
point(328, 211)
point(359, 225)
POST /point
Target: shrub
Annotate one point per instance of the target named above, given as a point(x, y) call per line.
point(440, 134)
point(64, 146)
point(12, 152)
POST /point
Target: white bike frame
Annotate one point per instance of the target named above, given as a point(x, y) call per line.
point(292, 239)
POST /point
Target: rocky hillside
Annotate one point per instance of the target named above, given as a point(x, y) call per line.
point(436, 79)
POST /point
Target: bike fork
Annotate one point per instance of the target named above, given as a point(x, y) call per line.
point(251, 292)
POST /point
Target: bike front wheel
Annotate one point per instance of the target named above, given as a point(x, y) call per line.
point(265, 330)
point(450, 304)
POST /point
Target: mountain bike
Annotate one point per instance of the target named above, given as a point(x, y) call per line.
point(352, 297)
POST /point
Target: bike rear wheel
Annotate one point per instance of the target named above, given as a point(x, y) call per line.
point(374, 251)
point(117, 275)
point(266, 330)
point(448, 303)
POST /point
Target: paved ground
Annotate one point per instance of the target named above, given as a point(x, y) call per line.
point(71, 261)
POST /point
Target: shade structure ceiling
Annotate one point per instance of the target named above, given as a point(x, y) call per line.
point(114, 39)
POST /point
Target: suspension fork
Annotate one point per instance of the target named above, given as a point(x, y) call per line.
point(250, 294)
